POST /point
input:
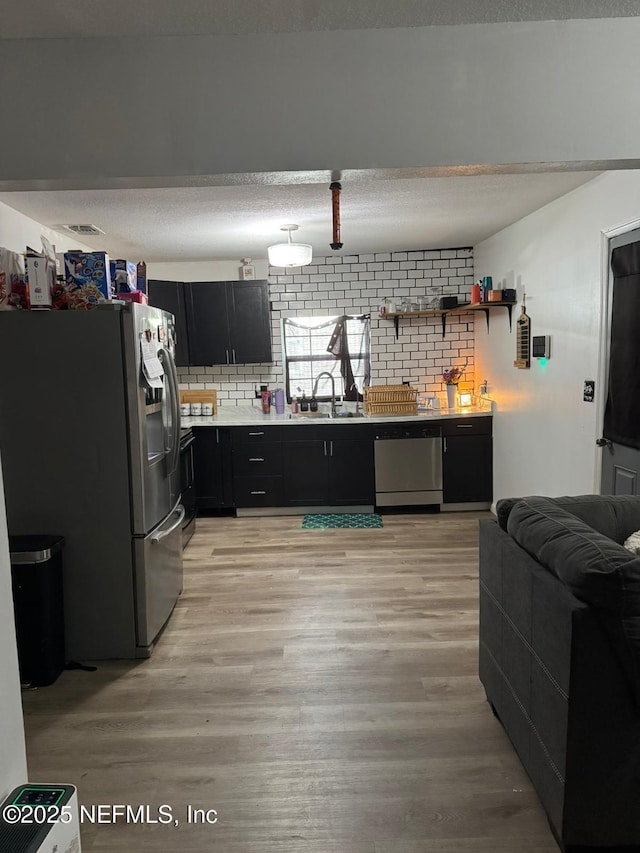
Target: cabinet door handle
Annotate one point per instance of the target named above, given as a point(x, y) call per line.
point(445, 445)
point(217, 436)
point(464, 426)
point(234, 355)
point(258, 493)
point(331, 443)
point(325, 447)
point(227, 352)
point(256, 459)
point(256, 433)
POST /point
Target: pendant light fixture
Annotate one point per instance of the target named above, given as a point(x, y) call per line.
point(289, 254)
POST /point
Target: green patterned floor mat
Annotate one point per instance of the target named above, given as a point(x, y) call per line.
point(345, 519)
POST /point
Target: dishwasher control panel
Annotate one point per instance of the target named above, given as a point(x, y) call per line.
point(411, 432)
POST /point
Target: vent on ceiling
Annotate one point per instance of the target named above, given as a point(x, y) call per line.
point(84, 230)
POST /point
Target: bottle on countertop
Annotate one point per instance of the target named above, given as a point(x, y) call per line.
point(294, 405)
point(304, 403)
point(313, 404)
point(265, 395)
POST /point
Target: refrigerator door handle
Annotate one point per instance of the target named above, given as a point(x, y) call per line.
point(172, 381)
point(162, 533)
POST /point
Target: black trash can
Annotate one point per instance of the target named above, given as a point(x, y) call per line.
point(36, 576)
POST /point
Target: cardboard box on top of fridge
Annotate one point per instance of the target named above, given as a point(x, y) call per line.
point(87, 279)
point(142, 276)
point(124, 276)
point(12, 287)
point(134, 296)
point(40, 280)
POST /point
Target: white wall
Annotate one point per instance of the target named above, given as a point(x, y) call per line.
point(13, 766)
point(544, 434)
point(203, 270)
point(369, 99)
point(18, 231)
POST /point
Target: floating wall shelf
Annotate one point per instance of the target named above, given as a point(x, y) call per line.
point(487, 307)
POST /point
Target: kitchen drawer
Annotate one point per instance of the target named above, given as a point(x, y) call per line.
point(467, 426)
point(257, 458)
point(252, 434)
point(257, 491)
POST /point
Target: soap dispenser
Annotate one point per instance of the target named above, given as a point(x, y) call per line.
point(304, 403)
point(313, 404)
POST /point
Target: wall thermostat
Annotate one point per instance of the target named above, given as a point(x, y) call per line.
point(541, 346)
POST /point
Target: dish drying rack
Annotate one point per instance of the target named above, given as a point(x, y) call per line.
point(390, 400)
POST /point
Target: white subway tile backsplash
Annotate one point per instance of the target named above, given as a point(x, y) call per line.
point(357, 284)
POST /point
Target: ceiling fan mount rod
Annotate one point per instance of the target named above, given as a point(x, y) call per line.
point(335, 188)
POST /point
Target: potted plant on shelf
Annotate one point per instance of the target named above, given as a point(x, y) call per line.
point(451, 378)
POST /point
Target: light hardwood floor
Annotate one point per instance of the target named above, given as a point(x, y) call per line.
point(318, 688)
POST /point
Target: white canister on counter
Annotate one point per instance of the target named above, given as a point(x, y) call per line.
point(207, 409)
point(196, 408)
point(185, 409)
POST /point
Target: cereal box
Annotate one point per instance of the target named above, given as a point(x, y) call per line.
point(87, 278)
point(40, 280)
point(12, 287)
point(124, 276)
point(142, 276)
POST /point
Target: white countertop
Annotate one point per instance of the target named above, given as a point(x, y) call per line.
point(248, 415)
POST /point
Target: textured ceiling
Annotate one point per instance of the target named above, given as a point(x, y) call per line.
point(231, 222)
point(70, 18)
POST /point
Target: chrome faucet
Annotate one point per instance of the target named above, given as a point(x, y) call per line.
point(333, 390)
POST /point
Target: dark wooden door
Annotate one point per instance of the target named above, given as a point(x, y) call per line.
point(207, 323)
point(305, 472)
point(620, 471)
point(467, 469)
point(249, 321)
point(169, 295)
point(351, 477)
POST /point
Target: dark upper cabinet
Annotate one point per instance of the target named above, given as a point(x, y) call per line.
point(218, 322)
point(170, 296)
point(229, 322)
point(208, 323)
point(249, 321)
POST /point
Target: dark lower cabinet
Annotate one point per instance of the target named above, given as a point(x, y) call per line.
point(351, 471)
point(467, 469)
point(212, 463)
point(257, 467)
point(330, 469)
point(305, 472)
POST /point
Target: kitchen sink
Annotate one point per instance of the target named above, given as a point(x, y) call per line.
point(306, 416)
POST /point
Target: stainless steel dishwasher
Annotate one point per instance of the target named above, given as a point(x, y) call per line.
point(408, 465)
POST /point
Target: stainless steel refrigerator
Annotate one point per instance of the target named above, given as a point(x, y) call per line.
point(90, 444)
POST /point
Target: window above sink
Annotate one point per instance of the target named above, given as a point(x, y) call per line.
point(339, 345)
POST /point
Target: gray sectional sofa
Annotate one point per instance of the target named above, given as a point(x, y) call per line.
point(560, 658)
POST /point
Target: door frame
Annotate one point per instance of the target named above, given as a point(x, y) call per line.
point(606, 301)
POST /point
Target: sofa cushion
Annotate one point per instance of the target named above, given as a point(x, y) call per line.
point(596, 569)
point(616, 517)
